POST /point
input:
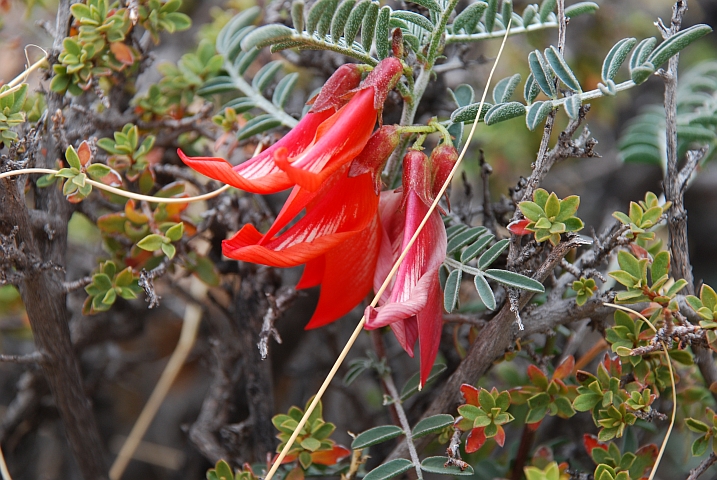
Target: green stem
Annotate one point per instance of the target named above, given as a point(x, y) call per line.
point(477, 37)
point(456, 264)
point(259, 100)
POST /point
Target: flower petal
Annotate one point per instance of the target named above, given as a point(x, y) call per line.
point(348, 275)
point(347, 208)
point(338, 141)
point(260, 174)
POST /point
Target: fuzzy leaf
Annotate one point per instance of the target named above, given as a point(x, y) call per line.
point(515, 280)
point(389, 469)
point(537, 112)
point(492, 253)
point(504, 111)
point(484, 292)
point(615, 57)
point(541, 73)
point(266, 35)
point(561, 69)
point(437, 465)
point(432, 424)
point(453, 287)
point(677, 42)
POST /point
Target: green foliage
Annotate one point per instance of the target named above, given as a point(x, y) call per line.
point(643, 216)
point(107, 285)
point(549, 216)
point(706, 430)
point(470, 245)
point(603, 395)
point(76, 188)
point(313, 445)
point(11, 112)
point(157, 16)
point(647, 280)
point(706, 307)
point(547, 397)
point(130, 156)
point(155, 241)
point(123, 231)
point(180, 82)
point(612, 463)
point(483, 415)
point(98, 48)
point(584, 288)
point(222, 471)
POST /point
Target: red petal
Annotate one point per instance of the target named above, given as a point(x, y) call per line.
point(260, 174)
point(348, 275)
point(430, 326)
point(313, 273)
point(347, 208)
point(475, 439)
point(338, 141)
point(470, 393)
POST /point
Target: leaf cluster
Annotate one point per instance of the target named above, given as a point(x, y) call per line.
point(130, 156)
point(483, 415)
point(76, 188)
point(471, 245)
point(550, 217)
point(11, 113)
point(107, 285)
point(643, 216)
point(647, 280)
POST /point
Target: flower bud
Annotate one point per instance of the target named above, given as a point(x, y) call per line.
point(345, 79)
point(443, 158)
point(374, 155)
point(416, 175)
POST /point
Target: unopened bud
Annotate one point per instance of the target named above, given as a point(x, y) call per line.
point(443, 158)
point(374, 155)
point(397, 43)
point(345, 79)
point(416, 175)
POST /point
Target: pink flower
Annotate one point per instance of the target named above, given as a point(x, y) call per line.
point(412, 305)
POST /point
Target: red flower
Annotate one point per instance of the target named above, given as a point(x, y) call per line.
point(323, 141)
point(338, 240)
point(413, 308)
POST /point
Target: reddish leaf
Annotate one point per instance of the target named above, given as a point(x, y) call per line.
point(518, 227)
point(500, 436)
point(613, 366)
point(565, 368)
point(639, 252)
point(113, 179)
point(537, 377)
point(133, 215)
point(122, 53)
point(475, 439)
point(470, 393)
point(591, 441)
point(534, 426)
point(296, 474)
point(330, 457)
point(84, 153)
